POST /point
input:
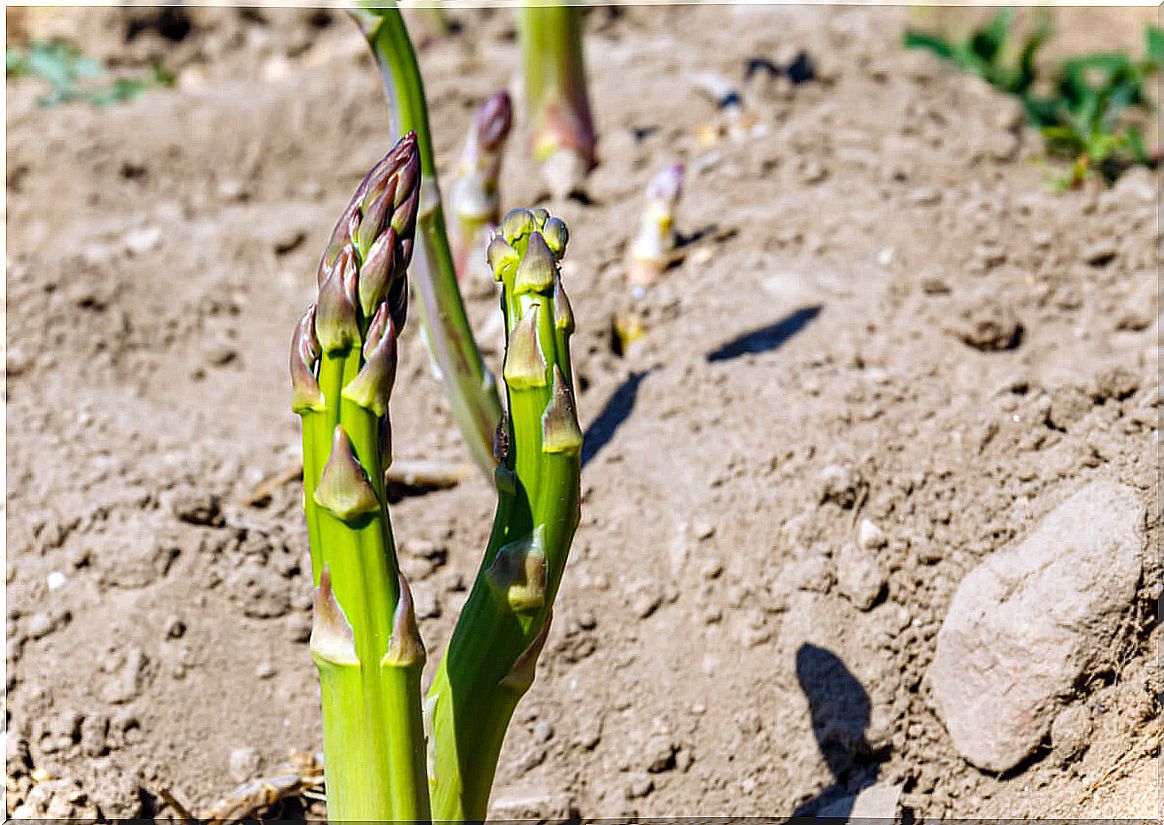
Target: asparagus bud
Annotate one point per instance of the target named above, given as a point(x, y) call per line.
point(651, 251)
point(336, 317)
point(372, 386)
point(475, 202)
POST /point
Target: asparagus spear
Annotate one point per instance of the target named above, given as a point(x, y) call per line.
point(651, 251)
point(468, 385)
point(557, 108)
point(474, 199)
point(364, 639)
point(491, 657)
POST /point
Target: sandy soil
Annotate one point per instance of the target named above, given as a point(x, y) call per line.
point(884, 314)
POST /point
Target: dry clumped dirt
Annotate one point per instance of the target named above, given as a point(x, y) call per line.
point(889, 352)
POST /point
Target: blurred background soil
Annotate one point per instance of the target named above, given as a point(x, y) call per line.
point(890, 351)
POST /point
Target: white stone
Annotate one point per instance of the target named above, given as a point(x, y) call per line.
point(1031, 619)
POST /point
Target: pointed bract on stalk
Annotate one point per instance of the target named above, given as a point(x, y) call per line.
point(344, 488)
point(525, 365)
point(337, 324)
point(305, 352)
point(538, 268)
point(521, 676)
point(378, 271)
point(518, 572)
point(563, 312)
point(474, 199)
point(517, 224)
point(332, 641)
point(651, 251)
point(560, 430)
point(500, 256)
point(556, 235)
point(372, 386)
point(405, 647)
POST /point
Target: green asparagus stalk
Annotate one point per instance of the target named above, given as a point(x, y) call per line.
point(468, 385)
point(474, 199)
point(651, 251)
point(364, 638)
point(490, 660)
point(557, 108)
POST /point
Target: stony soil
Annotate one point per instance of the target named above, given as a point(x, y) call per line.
point(889, 351)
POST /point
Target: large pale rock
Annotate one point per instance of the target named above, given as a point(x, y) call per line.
point(1030, 619)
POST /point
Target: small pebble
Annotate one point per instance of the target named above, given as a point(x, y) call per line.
point(265, 670)
point(639, 788)
point(56, 580)
point(870, 536)
point(244, 764)
point(660, 754)
point(531, 760)
point(543, 732)
point(174, 627)
point(40, 625)
point(142, 241)
point(230, 189)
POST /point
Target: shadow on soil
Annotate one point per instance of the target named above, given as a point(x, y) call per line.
point(616, 411)
point(840, 710)
point(766, 338)
point(622, 402)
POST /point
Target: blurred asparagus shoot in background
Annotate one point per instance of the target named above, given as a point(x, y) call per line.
point(469, 387)
point(556, 104)
point(474, 199)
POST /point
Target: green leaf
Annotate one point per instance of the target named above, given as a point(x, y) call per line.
point(1134, 139)
point(989, 41)
point(938, 45)
point(1154, 46)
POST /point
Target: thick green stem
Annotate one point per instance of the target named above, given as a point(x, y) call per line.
point(557, 107)
point(468, 386)
point(490, 659)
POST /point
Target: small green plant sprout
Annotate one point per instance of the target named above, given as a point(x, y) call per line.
point(990, 51)
point(654, 245)
point(1089, 115)
point(556, 104)
point(380, 763)
point(474, 199)
point(468, 385)
point(72, 76)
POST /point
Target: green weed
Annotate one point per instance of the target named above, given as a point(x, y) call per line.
point(1089, 113)
point(73, 76)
